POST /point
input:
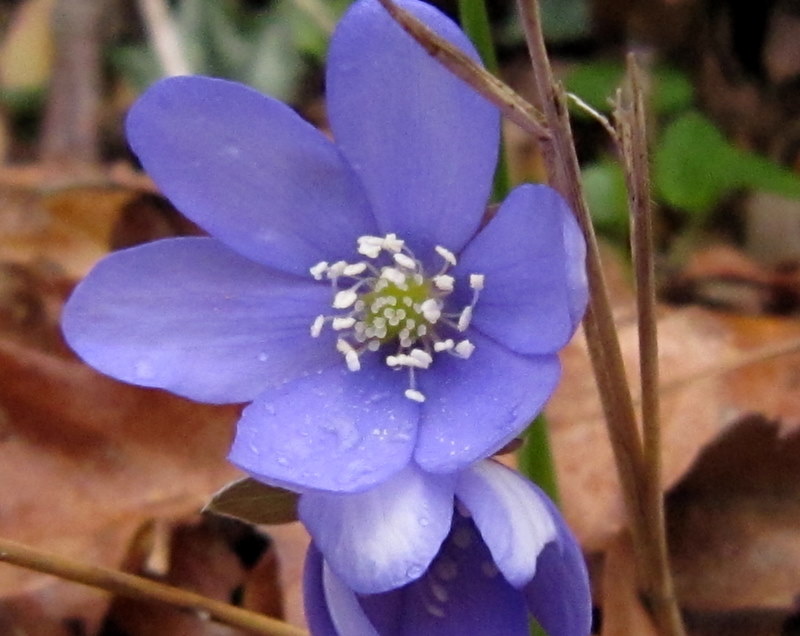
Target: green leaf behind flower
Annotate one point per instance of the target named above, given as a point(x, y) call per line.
point(251, 501)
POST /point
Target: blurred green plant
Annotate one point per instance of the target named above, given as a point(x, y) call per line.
point(695, 167)
point(267, 49)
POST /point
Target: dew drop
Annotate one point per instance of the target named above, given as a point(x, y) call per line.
point(424, 522)
point(414, 571)
point(144, 370)
point(263, 357)
point(269, 407)
point(283, 461)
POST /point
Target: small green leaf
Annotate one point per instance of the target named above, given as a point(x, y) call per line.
point(565, 19)
point(607, 198)
point(672, 91)
point(254, 502)
point(695, 166)
point(597, 82)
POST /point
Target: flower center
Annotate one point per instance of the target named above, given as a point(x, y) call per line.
point(392, 304)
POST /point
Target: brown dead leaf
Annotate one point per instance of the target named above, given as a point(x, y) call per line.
point(85, 460)
point(693, 414)
point(734, 522)
point(218, 558)
point(715, 367)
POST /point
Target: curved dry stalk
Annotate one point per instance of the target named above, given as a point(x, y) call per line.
point(510, 103)
point(138, 587)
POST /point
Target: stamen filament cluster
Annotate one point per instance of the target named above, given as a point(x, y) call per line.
point(389, 301)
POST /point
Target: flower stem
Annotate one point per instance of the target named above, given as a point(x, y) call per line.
point(601, 336)
point(141, 588)
point(536, 458)
point(632, 135)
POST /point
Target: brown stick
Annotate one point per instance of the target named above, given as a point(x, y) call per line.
point(632, 135)
point(512, 105)
point(70, 129)
point(141, 588)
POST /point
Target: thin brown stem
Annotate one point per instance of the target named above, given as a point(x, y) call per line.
point(511, 104)
point(632, 136)
point(601, 335)
point(139, 587)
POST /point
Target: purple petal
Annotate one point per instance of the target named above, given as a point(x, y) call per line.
point(345, 612)
point(250, 171)
point(476, 406)
point(533, 299)
point(336, 430)
point(195, 318)
point(461, 593)
point(559, 596)
point(384, 537)
point(512, 515)
point(316, 606)
point(422, 141)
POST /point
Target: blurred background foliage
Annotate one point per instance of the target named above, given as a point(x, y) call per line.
point(723, 90)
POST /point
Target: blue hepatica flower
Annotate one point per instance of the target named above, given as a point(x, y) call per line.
point(508, 553)
point(347, 289)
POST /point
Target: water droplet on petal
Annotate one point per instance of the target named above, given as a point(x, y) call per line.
point(424, 521)
point(414, 571)
point(144, 370)
point(263, 357)
point(283, 461)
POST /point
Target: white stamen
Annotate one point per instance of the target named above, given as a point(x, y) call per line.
point(318, 270)
point(354, 270)
point(465, 318)
point(316, 326)
point(464, 349)
point(430, 310)
point(393, 276)
point(446, 254)
point(405, 261)
point(370, 246)
point(344, 298)
point(370, 251)
point(444, 282)
point(443, 345)
point(351, 358)
point(391, 243)
point(476, 281)
point(343, 323)
point(416, 396)
point(370, 240)
point(342, 346)
point(422, 357)
point(392, 361)
point(336, 270)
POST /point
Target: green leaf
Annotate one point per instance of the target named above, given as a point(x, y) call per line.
point(254, 502)
point(597, 82)
point(695, 166)
point(607, 198)
point(672, 91)
point(564, 19)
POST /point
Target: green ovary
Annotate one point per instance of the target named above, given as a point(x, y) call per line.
point(394, 310)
